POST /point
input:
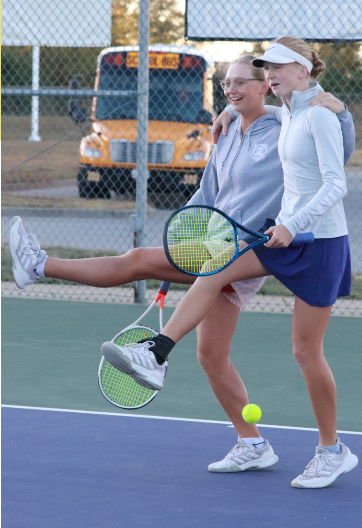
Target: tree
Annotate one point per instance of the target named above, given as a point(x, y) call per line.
point(166, 22)
point(343, 74)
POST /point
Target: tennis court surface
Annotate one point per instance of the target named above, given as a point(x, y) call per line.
point(71, 459)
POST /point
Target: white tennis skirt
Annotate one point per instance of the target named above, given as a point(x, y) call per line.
point(242, 291)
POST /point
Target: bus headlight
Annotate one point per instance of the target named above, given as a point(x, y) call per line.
point(198, 155)
point(89, 152)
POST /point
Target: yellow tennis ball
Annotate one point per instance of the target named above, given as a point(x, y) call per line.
point(251, 413)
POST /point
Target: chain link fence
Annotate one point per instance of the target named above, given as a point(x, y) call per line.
point(73, 106)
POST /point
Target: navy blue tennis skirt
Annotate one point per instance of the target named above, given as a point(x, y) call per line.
point(317, 273)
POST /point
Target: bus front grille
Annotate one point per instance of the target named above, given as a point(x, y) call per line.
point(123, 151)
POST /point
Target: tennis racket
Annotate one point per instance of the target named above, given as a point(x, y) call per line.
point(119, 388)
point(201, 240)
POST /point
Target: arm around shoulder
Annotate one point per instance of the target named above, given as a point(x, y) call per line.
point(206, 194)
point(222, 122)
point(326, 131)
point(348, 134)
point(338, 107)
point(232, 113)
point(276, 111)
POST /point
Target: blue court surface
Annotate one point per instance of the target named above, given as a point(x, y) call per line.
point(71, 469)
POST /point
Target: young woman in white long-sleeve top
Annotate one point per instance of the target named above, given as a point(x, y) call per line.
point(311, 151)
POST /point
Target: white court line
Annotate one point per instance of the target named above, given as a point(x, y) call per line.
point(229, 424)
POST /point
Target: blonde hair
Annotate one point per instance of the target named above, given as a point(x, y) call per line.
point(301, 47)
point(258, 73)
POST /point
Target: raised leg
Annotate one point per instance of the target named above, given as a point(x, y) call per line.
point(104, 272)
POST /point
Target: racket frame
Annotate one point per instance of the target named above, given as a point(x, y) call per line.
point(162, 292)
point(103, 362)
point(262, 239)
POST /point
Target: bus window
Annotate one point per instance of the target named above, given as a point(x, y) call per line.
point(174, 94)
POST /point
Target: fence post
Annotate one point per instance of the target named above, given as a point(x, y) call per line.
point(142, 140)
point(35, 99)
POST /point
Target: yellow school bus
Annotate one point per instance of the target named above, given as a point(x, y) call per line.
point(179, 141)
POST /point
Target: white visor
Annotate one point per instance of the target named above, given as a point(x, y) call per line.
point(279, 54)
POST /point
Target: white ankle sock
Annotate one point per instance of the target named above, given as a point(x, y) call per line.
point(336, 448)
point(256, 442)
point(40, 267)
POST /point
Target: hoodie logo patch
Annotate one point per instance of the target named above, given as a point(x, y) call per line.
point(258, 151)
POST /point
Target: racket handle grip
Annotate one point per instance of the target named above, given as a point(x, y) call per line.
point(165, 286)
point(302, 238)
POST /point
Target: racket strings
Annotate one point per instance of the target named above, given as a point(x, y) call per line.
point(122, 389)
point(201, 239)
point(119, 388)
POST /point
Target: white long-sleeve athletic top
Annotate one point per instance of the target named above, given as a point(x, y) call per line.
point(311, 151)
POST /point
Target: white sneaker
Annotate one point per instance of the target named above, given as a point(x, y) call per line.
point(138, 361)
point(325, 467)
point(244, 456)
point(25, 253)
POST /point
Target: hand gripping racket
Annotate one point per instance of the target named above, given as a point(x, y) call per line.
point(119, 388)
point(201, 240)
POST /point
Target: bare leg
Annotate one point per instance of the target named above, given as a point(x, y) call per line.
point(309, 327)
point(214, 335)
point(195, 304)
point(104, 272)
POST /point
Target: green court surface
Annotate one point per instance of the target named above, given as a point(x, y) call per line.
point(51, 353)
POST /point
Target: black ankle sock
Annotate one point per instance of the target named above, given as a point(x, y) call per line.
point(162, 347)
